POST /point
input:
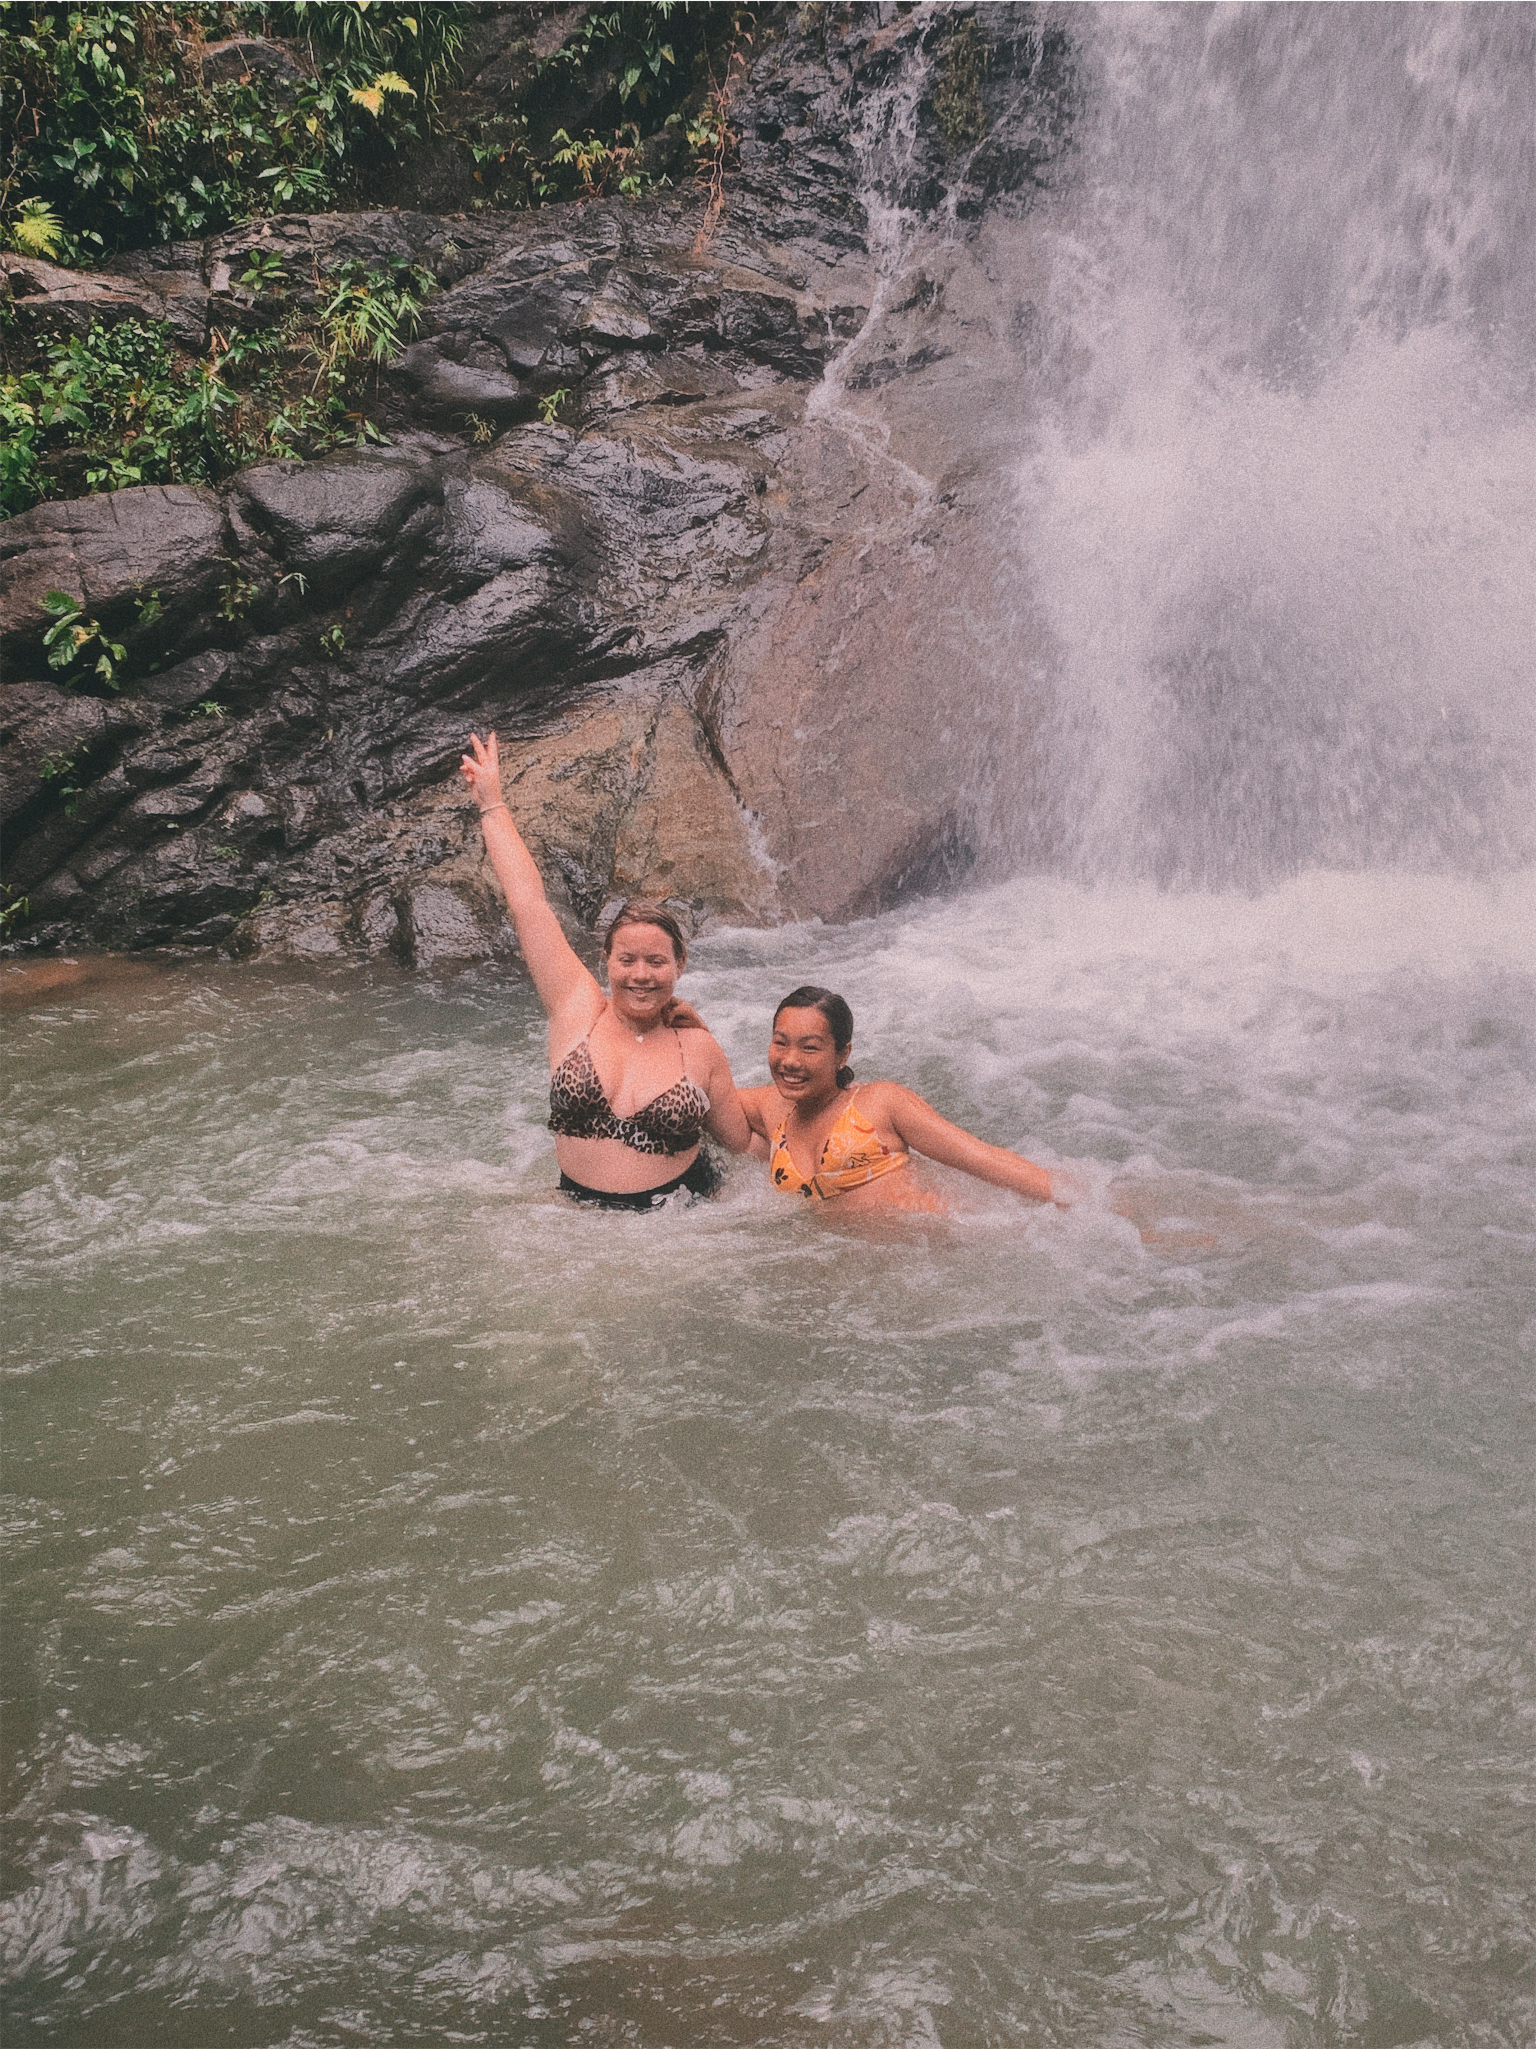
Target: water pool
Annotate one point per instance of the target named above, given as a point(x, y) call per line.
point(437, 1616)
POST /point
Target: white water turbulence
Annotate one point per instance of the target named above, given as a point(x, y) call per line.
point(1281, 508)
point(436, 1615)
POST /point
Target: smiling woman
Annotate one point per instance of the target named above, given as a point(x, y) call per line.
point(858, 1138)
point(628, 1087)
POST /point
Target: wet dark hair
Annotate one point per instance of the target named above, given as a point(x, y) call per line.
point(836, 1012)
point(640, 910)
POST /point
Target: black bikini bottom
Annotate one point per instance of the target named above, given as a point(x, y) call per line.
point(702, 1178)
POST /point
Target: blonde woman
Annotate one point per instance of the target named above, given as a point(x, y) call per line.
point(631, 1093)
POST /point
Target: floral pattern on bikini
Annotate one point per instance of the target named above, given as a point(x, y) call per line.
point(852, 1156)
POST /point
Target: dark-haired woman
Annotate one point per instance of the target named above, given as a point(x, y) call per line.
point(630, 1095)
point(831, 1139)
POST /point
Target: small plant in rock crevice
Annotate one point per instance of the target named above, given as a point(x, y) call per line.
point(15, 909)
point(72, 636)
point(236, 595)
point(264, 271)
point(58, 772)
point(957, 103)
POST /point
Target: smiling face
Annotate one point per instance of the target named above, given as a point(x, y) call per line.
point(643, 968)
point(803, 1058)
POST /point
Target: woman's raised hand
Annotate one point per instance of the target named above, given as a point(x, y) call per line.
point(481, 769)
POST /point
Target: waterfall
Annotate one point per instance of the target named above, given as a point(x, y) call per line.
point(1276, 513)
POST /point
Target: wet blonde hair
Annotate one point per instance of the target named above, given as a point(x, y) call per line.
point(640, 910)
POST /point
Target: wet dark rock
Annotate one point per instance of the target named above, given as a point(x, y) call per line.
point(332, 522)
point(46, 301)
point(694, 612)
point(112, 551)
point(241, 57)
point(460, 394)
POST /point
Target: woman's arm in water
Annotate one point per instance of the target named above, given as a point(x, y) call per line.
point(563, 984)
point(764, 1109)
point(922, 1130)
point(727, 1119)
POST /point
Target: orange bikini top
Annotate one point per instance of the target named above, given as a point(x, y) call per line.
point(851, 1156)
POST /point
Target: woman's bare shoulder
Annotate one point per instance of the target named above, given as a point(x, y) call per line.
point(876, 1098)
point(701, 1049)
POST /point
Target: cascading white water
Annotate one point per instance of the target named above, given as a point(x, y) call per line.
point(1280, 511)
point(433, 1614)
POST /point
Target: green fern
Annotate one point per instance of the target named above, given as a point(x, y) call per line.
point(35, 229)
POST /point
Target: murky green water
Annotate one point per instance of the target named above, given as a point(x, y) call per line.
point(436, 1616)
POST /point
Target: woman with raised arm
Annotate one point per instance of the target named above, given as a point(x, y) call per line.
point(829, 1138)
point(630, 1094)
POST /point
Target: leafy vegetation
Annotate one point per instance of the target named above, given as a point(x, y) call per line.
point(134, 124)
point(72, 635)
point(626, 95)
point(957, 103)
point(57, 775)
point(15, 909)
point(117, 407)
point(237, 593)
point(120, 132)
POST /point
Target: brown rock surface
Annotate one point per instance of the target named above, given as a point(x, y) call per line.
point(734, 617)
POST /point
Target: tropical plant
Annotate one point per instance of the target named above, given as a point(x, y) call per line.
point(15, 909)
point(34, 228)
point(72, 635)
point(114, 137)
point(264, 271)
point(656, 67)
point(57, 772)
point(115, 406)
point(20, 484)
point(599, 164)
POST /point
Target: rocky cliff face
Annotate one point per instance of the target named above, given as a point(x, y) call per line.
point(712, 618)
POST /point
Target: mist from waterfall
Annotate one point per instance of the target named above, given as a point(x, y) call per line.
point(439, 1614)
point(1277, 517)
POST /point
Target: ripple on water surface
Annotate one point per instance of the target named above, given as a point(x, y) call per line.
point(436, 1615)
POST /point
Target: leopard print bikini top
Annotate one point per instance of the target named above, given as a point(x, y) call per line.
point(672, 1122)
